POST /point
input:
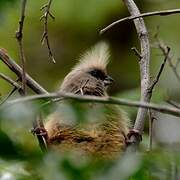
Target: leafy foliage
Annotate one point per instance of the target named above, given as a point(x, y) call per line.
point(21, 157)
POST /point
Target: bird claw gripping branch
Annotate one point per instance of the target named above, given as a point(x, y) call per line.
point(136, 134)
point(40, 131)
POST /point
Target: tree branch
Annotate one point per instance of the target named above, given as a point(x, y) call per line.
point(164, 49)
point(45, 36)
point(151, 122)
point(155, 81)
point(173, 103)
point(151, 87)
point(144, 66)
point(18, 71)
point(10, 81)
point(19, 37)
point(95, 99)
point(30, 83)
point(154, 13)
point(9, 94)
point(136, 52)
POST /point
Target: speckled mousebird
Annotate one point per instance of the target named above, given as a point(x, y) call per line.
point(104, 133)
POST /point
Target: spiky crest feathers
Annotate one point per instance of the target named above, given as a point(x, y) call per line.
point(96, 57)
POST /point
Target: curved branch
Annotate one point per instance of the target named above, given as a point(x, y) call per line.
point(154, 13)
point(144, 65)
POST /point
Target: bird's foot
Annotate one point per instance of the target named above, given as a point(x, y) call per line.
point(40, 131)
point(136, 134)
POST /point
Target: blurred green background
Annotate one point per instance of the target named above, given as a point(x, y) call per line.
point(75, 29)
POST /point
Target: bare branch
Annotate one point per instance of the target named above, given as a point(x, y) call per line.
point(151, 122)
point(45, 36)
point(144, 67)
point(151, 87)
point(8, 96)
point(174, 69)
point(13, 83)
point(173, 103)
point(95, 99)
point(164, 49)
point(154, 13)
point(155, 81)
point(136, 52)
point(30, 82)
point(18, 71)
point(10, 81)
point(19, 37)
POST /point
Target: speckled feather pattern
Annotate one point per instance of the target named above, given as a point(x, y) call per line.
point(103, 134)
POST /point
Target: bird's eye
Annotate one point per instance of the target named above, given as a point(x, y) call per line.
point(94, 73)
point(98, 74)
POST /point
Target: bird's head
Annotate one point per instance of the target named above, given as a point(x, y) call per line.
point(89, 76)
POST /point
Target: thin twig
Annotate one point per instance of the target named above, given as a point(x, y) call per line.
point(164, 49)
point(19, 37)
point(174, 69)
point(8, 96)
point(18, 71)
point(136, 52)
point(173, 103)
point(95, 99)
point(151, 87)
point(10, 81)
point(151, 118)
point(30, 82)
point(144, 69)
point(45, 36)
point(151, 122)
point(13, 83)
point(155, 81)
point(154, 13)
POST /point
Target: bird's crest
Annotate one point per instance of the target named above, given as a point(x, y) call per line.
point(96, 57)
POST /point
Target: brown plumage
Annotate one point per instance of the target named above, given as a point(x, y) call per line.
point(103, 134)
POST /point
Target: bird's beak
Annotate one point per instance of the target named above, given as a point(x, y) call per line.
point(108, 80)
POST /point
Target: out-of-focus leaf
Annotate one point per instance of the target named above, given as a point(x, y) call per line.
point(7, 147)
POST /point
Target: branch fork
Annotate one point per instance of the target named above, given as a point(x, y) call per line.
point(45, 36)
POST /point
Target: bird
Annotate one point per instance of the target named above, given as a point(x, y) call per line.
point(103, 132)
